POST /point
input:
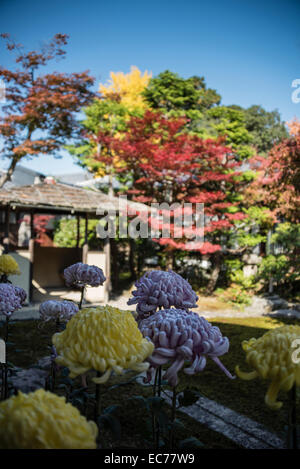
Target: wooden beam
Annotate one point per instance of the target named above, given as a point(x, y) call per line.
point(6, 231)
point(24, 208)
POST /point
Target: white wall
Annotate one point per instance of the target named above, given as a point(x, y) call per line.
point(97, 294)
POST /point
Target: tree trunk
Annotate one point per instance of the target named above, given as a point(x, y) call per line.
point(131, 259)
point(170, 260)
point(115, 264)
point(216, 262)
point(7, 176)
point(110, 185)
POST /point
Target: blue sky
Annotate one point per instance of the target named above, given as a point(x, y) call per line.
point(249, 51)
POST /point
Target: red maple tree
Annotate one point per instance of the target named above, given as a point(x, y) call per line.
point(39, 113)
point(166, 164)
point(278, 183)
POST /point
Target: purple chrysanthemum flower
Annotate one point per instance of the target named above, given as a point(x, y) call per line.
point(160, 289)
point(180, 336)
point(21, 293)
point(81, 275)
point(9, 299)
point(57, 310)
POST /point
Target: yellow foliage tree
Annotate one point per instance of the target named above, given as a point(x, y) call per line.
point(127, 88)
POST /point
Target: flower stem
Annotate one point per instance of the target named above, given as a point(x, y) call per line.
point(292, 419)
point(173, 417)
point(159, 381)
point(84, 380)
point(6, 329)
point(97, 403)
point(153, 416)
point(156, 392)
point(53, 376)
point(57, 325)
point(81, 297)
point(4, 385)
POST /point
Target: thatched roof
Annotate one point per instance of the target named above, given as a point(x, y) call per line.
point(61, 198)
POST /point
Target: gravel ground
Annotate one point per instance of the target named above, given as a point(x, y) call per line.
point(32, 311)
point(257, 309)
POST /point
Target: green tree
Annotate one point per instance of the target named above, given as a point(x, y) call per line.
point(175, 96)
point(248, 131)
point(65, 233)
point(252, 230)
point(230, 122)
point(284, 264)
point(266, 128)
point(105, 115)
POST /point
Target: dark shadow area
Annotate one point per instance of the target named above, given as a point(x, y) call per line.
point(30, 340)
point(245, 397)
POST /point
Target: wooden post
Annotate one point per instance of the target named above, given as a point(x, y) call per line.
point(31, 255)
point(86, 229)
point(131, 258)
point(6, 232)
point(78, 231)
point(85, 247)
point(107, 244)
point(107, 252)
point(18, 215)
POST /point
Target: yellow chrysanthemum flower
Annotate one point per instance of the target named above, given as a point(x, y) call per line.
point(42, 420)
point(271, 358)
point(8, 265)
point(105, 339)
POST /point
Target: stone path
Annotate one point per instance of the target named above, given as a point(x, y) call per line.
point(238, 428)
point(242, 430)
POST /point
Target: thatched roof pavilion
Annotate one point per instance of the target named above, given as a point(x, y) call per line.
point(60, 199)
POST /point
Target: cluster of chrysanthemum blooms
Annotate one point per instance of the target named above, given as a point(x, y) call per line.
point(164, 332)
point(42, 419)
point(12, 297)
point(107, 339)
